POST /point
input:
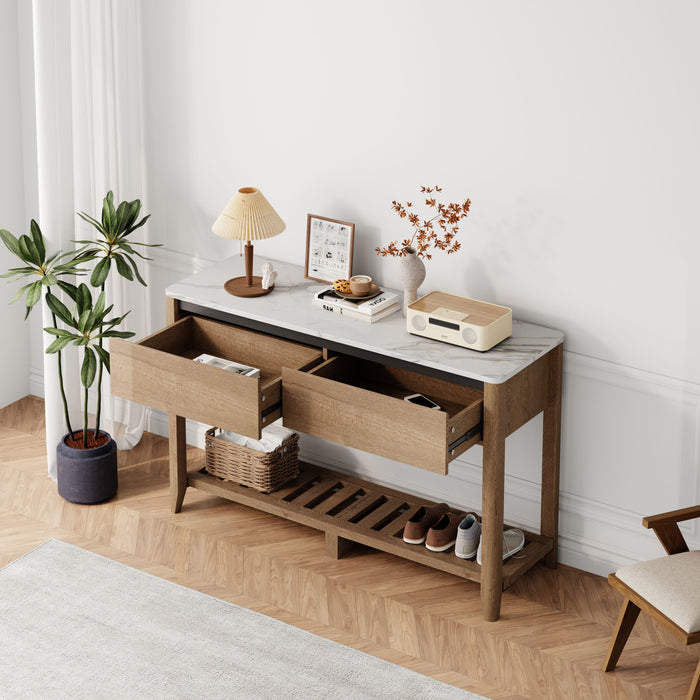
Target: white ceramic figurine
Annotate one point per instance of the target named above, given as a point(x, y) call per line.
point(269, 275)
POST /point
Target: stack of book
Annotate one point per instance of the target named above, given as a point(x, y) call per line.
point(369, 310)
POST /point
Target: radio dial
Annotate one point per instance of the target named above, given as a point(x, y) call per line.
point(469, 335)
point(419, 322)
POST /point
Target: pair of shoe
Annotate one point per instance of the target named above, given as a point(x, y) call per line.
point(434, 525)
point(469, 540)
point(513, 542)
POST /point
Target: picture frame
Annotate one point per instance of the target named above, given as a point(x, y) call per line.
point(329, 248)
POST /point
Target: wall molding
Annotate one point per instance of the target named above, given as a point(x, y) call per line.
point(594, 536)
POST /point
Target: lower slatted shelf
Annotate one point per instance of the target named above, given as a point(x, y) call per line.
point(359, 511)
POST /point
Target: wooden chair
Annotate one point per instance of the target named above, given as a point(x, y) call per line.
point(667, 589)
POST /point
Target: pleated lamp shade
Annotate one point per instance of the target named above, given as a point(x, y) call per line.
point(248, 217)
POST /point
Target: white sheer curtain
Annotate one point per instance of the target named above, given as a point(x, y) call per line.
point(89, 139)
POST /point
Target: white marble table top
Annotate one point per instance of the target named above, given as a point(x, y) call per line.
point(289, 306)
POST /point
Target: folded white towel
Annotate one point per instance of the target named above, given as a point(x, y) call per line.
point(272, 437)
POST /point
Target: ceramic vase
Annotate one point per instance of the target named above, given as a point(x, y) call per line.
point(412, 276)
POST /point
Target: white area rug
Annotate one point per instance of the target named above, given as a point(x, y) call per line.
point(74, 624)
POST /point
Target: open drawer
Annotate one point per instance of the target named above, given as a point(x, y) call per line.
point(159, 371)
point(361, 404)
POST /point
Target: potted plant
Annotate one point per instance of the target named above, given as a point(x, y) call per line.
point(86, 458)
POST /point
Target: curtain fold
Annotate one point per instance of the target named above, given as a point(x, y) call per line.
point(89, 136)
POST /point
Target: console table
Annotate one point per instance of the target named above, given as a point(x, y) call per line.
point(344, 380)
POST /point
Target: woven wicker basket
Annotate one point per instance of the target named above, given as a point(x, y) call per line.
point(262, 471)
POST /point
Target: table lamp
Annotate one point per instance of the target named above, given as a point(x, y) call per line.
point(248, 217)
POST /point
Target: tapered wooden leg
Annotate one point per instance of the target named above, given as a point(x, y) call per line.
point(492, 499)
point(337, 547)
point(551, 441)
point(178, 461)
point(625, 622)
point(694, 692)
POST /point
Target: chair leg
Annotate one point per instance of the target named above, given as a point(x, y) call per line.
point(625, 622)
point(694, 692)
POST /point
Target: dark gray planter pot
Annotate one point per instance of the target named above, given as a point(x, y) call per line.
point(87, 476)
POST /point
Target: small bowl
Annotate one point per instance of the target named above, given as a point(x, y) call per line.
point(361, 285)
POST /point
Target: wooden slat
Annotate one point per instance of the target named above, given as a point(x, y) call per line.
point(347, 491)
point(387, 539)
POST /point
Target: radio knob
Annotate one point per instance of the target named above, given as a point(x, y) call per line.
point(469, 335)
point(418, 322)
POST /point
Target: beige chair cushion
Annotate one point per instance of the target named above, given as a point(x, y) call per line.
point(671, 584)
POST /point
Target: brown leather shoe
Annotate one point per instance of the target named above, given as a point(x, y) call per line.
point(425, 517)
point(443, 534)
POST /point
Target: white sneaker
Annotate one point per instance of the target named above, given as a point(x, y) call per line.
point(513, 541)
point(468, 537)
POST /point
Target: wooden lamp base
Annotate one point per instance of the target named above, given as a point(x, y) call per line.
point(247, 286)
point(239, 287)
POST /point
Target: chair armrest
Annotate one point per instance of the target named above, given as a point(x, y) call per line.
point(665, 527)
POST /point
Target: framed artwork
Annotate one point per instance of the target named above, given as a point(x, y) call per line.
point(328, 249)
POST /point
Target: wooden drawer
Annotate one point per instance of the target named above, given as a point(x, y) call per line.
point(158, 371)
point(360, 404)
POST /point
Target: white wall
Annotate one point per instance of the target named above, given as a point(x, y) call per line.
point(14, 348)
point(572, 126)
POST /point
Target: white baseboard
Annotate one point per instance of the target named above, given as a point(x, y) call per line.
point(597, 533)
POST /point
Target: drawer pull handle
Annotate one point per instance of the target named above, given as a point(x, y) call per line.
point(262, 398)
point(465, 438)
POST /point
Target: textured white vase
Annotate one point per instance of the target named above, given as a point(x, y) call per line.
point(412, 276)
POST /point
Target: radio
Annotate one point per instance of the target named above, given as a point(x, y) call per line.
point(472, 324)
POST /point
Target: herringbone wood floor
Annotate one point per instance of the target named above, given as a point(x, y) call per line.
point(549, 643)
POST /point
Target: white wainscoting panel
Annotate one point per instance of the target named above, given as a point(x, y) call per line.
point(630, 448)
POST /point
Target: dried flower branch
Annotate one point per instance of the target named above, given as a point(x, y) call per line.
point(437, 232)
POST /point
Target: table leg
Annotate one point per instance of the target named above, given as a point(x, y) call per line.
point(178, 461)
point(551, 442)
point(494, 440)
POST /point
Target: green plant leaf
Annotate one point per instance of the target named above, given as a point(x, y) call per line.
point(103, 355)
point(100, 273)
point(19, 294)
point(38, 239)
point(84, 300)
point(117, 334)
point(70, 289)
point(88, 369)
point(139, 225)
point(57, 345)
point(49, 279)
point(61, 332)
point(123, 269)
point(28, 250)
point(136, 272)
point(83, 319)
point(86, 217)
point(99, 307)
point(33, 294)
point(11, 243)
point(19, 272)
point(60, 309)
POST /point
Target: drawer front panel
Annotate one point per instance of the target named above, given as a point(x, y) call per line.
point(159, 371)
point(179, 385)
point(366, 420)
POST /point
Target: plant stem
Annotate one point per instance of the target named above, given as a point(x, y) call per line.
point(85, 419)
point(60, 377)
point(98, 409)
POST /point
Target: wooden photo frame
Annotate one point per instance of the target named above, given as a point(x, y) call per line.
point(329, 245)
